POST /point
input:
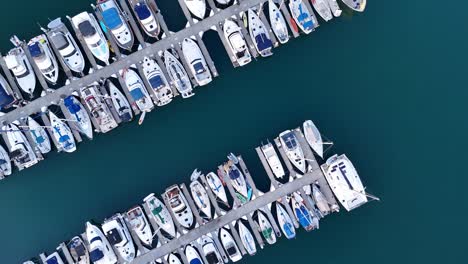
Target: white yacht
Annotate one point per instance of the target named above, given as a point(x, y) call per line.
point(116, 23)
point(266, 229)
point(44, 58)
point(119, 237)
point(140, 225)
point(146, 17)
point(137, 90)
point(21, 152)
point(39, 135)
point(5, 163)
point(192, 255)
point(233, 35)
point(7, 98)
point(323, 9)
point(179, 206)
point(197, 63)
point(356, 5)
point(216, 186)
point(120, 103)
point(303, 215)
point(160, 214)
point(313, 137)
point(320, 200)
point(247, 239)
point(157, 80)
point(62, 133)
point(301, 15)
point(200, 197)
point(197, 8)
point(19, 64)
point(79, 116)
point(334, 7)
point(229, 245)
point(285, 222)
point(293, 149)
point(54, 258)
point(344, 182)
point(210, 250)
point(243, 191)
point(273, 160)
point(100, 251)
point(98, 108)
point(66, 45)
point(278, 23)
point(78, 250)
point(92, 34)
point(259, 34)
point(178, 75)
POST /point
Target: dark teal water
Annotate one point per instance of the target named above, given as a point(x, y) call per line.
point(387, 86)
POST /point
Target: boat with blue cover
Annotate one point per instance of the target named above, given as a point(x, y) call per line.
point(5, 163)
point(54, 258)
point(210, 250)
point(39, 135)
point(137, 90)
point(242, 188)
point(115, 22)
point(6, 98)
point(21, 68)
point(217, 187)
point(44, 58)
point(278, 23)
point(178, 75)
point(356, 5)
point(265, 228)
point(120, 102)
point(62, 133)
point(259, 34)
point(301, 15)
point(146, 17)
point(200, 197)
point(305, 217)
point(79, 116)
point(158, 82)
point(285, 222)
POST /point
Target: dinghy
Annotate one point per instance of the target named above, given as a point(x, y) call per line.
point(278, 23)
point(39, 135)
point(313, 137)
point(62, 133)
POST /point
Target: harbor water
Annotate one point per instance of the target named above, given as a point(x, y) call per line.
point(388, 86)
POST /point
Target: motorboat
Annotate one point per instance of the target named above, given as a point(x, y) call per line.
point(217, 186)
point(301, 15)
point(21, 152)
point(229, 245)
point(160, 214)
point(66, 45)
point(87, 26)
point(54, 258)
point(79, 116)
point(243, 190)
point(233, 35)
point(192, 255)
point(196, 61)
point(323, 9)
point(140, 225)
point(356, 5)
point(200, 197)
point(78, 250)
point(344, 182)
point(6, 95)
point(158, 82)
point(178, 75)
point(21, 68)
point(120, 103)
point(100, 251)
point(98, 108)
point(303, 215)
point(285, 222)
point(320, 200)
point(197, 8)
point(137, 90)
point(119, 237)
point(179, 206)
point(293, 150)
point(247, 239)
point(273, 160)
point(259, 34)
point(266, 229)
point(44, 58)
point(278, 23)
point(313, 137)
point(5, 163)
point(334, 7)
point(210, 250)
point(62, 133)
point(146, 17)
point(114, 21)
point(39, 135)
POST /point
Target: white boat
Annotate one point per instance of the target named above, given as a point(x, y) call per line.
point(197, 63)
point(293, 149)
point(273, 160)
point(179, 206)
point(178, 75)
point(278, 23)
point(119, 237)
point(301, 15)
point(210, 250)
point(200, 197)
point(233, 35)
point(303, 215)
point(5, 163)
point(100, 251)
point(19, 64)
point(54, 258)
point(21, 152)
point(216, 186)
point(173, 259)
point(62, 133)
point(192, 255)
point(313, 137)
point(320, 200)
point(140, 225)
point(197, 8)
point(285, 222)
point(98, 108)
point(266, 229)
point(243, 191)
point(247, 239)
point(356, 5)
point(7, 98)
point(323, 9)
point(116, 23)
point(155, 77)
point(44, 58)
point(120, 103)
point(78, 250)
point(259, 34)
point(66, 45)
point(79, 116)
point(137, 90)
point(229, 245)
point(345, 182)
point(39, 135)
point(334, 7)
point(146, 17)
point(92, 34)
point(160, 214)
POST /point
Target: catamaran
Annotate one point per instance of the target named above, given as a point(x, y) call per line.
point(216, 186)
point(158, 82)
point(233, 35)
point(179, 206)
point(44, 58)
point(293, 149)
point(19, 65)
point(229, 245)
point(313, 137)
point(100, 251)
point(146, 17)
point(200, 197)
point(356, 5)
point(115, 22)
point(259, 34)
point(119, 237)
point(79, 116)
point(196, 61)
point(178, 75)
point(285, 222)
point(78, 250)
point(62, 133)
point(323, 9)
point(98, 108)
point(302, 16)
point(5, 163)
point(140, 225)
point(160, 214)
point(278, 23)
point(272, 159)
point(197, 8)
point(120, 103)
point(137, 90)
point(247, 239)
point(39, 135)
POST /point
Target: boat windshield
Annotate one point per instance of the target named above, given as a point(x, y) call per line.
point(96, 255)
point(112, 18)
point(156, 82)
point(142, 11)
point(199, 68)
point(113, 236)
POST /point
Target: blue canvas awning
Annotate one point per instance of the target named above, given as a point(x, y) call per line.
point(142, 11)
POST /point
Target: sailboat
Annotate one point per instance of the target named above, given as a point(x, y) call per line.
point(160, 214)
point(196, 61)
point(114, 20)
point(21, 68)
point(62, 133)
point(233, 35)
point(302, 16)
point(265, 228)
point(44, 58)
point(210, 250)
point(158, 82)
point(229, 245)
point(179, 206)
point(247, 239)
point(79, 116)
point(278, 23)
point(356, 5)
point(285, 222)
point(216, 186)
point(259, 34)
point(137, 90)
point(5, 163)
point(313, 137)
point(323, 9)
point(178, 75)
point(293, 149)
point(39, 135)
point(140, 225)
point(120, 103)
point(273, 160)
point(21, 152)
point(200, 197)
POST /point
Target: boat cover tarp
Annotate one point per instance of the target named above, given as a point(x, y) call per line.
point(70, 104)
point(156, 82)
point(142, 11)
point(137, 94)
point(111, 18)
point(96, 255)
point(5, 98)
point(195, 261)
point(86, 28)
point(263, 42)
point(35, 49)
point(52, 260)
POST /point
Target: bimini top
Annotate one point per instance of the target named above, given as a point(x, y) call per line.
point(156, 82)
point(112, 18)
point(142, 11)
point(137, 94)
point(290, 140)
point(35, 50)
point(86, 28)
